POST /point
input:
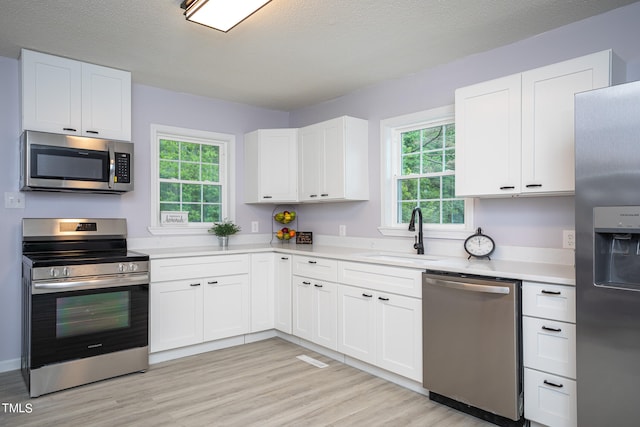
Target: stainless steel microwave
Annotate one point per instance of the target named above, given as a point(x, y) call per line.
point(53, 162)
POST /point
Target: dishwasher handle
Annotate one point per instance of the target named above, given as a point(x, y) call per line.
point(487, 289)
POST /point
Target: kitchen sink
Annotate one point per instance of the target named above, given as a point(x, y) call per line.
point(420, 260)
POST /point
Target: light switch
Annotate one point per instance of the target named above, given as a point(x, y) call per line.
point(13, 200)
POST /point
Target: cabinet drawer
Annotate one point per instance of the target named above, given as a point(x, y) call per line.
point(549, 346)
point(318, 268)
point(404, 281)
point(549, 301)
point(549, 400)
point(206, 266)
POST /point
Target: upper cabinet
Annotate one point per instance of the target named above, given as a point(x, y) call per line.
point(324, 162)
point(333, 160)
point(271, 166)
point(64, 96)
point(515, 135)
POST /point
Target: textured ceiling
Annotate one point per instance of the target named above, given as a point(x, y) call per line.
point(289, 54)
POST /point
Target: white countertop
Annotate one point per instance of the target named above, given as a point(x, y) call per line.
point(536, 272)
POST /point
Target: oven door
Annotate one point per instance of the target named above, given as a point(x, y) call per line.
point(75, 323)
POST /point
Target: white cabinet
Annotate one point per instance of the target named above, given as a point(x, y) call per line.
point(61, 95)
point(514, 135)
point(263, 276)
point(198, 299)
point(282, 309)
point(175, 316)
point(549, 353)
point(271, 171)
point(333, 160)
point(315, 300)
point(380, 318)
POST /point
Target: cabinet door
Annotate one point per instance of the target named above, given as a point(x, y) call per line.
point(262, 289)
point(302, 308)
point(399, 329)
point(549, 400)
point(106, 102)
point(325, 314)
point(332, 158)
point(283, 293)
point(488, 138)
point(309, 162)
point(175, 314)
point(226, 306)
point(549, 346)
point(51, 98)
point(548, 120)
point(356, 323)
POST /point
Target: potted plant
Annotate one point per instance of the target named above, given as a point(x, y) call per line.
point(223, 230)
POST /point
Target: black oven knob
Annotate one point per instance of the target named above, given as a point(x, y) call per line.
point(133, 266)
point(54, 272)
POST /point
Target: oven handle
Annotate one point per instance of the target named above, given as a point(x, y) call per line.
point(91, 283)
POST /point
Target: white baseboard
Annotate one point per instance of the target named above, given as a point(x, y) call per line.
point(9, 365)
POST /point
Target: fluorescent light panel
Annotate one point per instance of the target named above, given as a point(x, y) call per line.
point(222, 14)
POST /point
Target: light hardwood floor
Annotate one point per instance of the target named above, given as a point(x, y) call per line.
point(259, 384)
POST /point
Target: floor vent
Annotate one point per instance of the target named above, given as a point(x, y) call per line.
point(312, 361)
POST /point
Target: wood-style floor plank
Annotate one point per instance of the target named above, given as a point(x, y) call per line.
point(258, 384)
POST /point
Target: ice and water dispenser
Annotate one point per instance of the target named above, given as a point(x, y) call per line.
point(617, 247)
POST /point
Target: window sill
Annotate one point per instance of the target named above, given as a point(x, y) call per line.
point(428, 233)
point(178, 231)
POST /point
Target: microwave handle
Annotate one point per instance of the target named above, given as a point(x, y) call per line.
point(112, 166)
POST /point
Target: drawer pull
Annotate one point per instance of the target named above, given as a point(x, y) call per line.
point(215, 282)
point(70, 129)
point(313, 195)
point(546, 328)
point(533, 185)
point(383, 299)
point(552, 384)
point(508, 187)
point(324, 195)
point(544, 291)
point(93, 132)
point(367, 295)
point(312, 262)
point(317, 286)
point(306, 283)
point(267, 197)
point(195, 284)
point(284, 258)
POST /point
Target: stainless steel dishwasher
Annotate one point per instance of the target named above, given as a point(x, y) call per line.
point(472, 345)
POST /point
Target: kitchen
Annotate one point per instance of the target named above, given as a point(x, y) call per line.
point(534, 224)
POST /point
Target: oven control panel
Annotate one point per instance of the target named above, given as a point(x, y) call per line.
point(42, 273)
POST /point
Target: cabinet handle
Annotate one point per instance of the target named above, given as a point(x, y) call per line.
point(367, 295)
point(551, 292)
point(94, 132)
point(195, 284)
point(313, 195)
point(324, 195)
point(533, 185)
point(215, 282)
point(552, 384)
point(383, 299)
point(267, 197)
point(508, 187)
point(306, 283)
point(546, 328)
point(70, 129)
point(284, 258)
point(317, 286)
point(312, 262)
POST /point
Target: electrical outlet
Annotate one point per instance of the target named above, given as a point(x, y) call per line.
point(13, 200)
point(342, 230)
point(254, 226)
point(568, 239)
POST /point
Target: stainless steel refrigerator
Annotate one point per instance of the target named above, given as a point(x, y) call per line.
point(608, 256)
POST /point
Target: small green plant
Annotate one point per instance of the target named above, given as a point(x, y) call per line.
point(224, 228)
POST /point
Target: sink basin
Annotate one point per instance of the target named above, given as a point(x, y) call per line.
point(420, 260)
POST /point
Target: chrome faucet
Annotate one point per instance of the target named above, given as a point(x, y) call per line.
point(419, 244)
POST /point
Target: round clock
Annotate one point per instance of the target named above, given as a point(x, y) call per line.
point(479, 245)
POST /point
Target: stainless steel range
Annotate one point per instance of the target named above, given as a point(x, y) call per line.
point(85, 303)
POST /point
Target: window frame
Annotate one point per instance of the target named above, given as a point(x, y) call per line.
point(227, 143)
point(390, 130)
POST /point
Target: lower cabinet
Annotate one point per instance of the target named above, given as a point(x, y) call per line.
point(262, 291)
point(550, 400)
point(381, 329)
point(315, 311)
point(210, 300)
point(282, 291)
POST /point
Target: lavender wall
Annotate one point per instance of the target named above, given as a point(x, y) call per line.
point(537, 222)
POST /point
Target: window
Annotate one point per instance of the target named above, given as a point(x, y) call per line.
point(190, 173)
point(418, 165)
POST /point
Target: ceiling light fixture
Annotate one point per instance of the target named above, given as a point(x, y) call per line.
point(222, 15)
